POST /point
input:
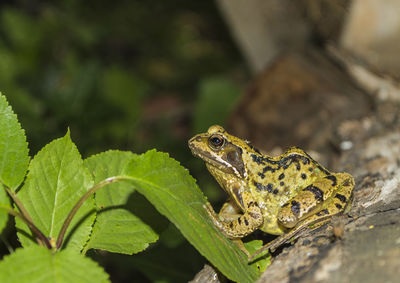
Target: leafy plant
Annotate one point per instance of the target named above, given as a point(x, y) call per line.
point(65, 206)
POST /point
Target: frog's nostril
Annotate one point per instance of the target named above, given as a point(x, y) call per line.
point(194, 140)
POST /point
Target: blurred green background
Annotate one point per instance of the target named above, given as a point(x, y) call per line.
point(128, 75)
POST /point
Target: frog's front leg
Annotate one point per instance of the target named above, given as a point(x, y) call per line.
point(229, 211)
point(236, 227)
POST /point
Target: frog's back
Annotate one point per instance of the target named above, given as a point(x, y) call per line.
point(275, 180)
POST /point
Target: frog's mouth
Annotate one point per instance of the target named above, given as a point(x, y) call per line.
point(218, 163)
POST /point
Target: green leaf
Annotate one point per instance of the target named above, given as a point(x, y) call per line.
point(56, 181)
point(217, 97)
point(116, 229)
point(170, 188)
point(38, 264)
point(4, 203)
point(14, 157)
point(262, 260)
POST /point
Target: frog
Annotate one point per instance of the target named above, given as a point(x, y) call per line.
point(279, 195)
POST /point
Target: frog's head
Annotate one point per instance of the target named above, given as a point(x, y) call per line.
point(221, 151)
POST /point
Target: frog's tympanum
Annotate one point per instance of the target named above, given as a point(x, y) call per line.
point(278, 195)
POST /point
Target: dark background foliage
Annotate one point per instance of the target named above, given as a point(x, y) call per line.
point(129, 75)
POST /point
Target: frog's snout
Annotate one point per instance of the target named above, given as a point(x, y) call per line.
point(192, 142)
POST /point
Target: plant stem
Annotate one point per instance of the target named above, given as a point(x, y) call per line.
point(19, 204)
point(30, 224)
point(80, 202)
point(25, 215)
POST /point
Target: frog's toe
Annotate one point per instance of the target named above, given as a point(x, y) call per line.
point(209, 209)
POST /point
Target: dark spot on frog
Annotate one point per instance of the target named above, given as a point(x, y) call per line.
point(250, 204)
point(261, 187)
point(286, 204)
point(303, 176)
point(348, 182)
point(332, 178)
point(281, 176)
point(262, 175)
point(257, 159)
point(322, 212)
point(231, 225)
point(338, 206)
point(253, 148)
point(323, 170)
point(282, 184)
point(293, 158)
point(240, 150)
point(342, 198)
point(310, 169)
point(295, 207)
point(268, 168)
point(256, 203)
point(318, 194)
point(246, 222)
point(239, 221)
point(275, 192)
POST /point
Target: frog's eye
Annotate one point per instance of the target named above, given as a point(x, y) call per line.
point(216, 141)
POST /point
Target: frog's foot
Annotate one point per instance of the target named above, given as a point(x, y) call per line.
point(291, 236)
point(211, 213)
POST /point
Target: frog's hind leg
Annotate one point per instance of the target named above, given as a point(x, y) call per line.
point(334, 202)
point(325, 196)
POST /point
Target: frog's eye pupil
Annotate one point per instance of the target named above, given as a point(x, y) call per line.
point(216, 141)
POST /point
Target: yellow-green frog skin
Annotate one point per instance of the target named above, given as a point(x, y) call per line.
point(273, 194)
